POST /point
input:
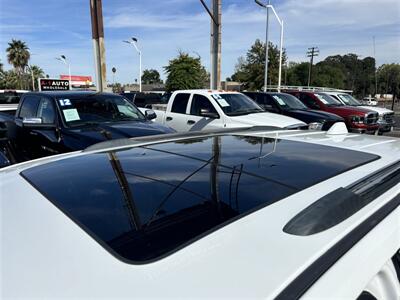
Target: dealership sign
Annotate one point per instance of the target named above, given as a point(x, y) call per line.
point(78, 80)
point(49, 84)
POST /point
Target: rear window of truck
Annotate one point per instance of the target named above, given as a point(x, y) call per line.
point(147, 202)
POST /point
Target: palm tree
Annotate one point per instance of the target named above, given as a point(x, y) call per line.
point(18, 56)
point(36, 73)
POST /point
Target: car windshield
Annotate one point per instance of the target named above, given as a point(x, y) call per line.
point(92, 109)
point(328, 100)
point(235, 104)
point(287, 101)
point(349, 100)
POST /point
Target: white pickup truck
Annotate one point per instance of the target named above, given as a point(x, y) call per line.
point(194, 110)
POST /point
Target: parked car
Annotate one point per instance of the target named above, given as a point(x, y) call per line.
point(4, 153)
point(370, 101)
point(9, 100)
point(357, 119)
point(194, 110)
point(253, 214)
point(144, 99)
point(386, 116)
point(49, 123)
point(288, 105)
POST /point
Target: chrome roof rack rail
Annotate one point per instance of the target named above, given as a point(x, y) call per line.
point(126, 142)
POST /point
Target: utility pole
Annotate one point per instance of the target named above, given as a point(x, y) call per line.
point(98, 44)
point(313, 51)
point(215, 45)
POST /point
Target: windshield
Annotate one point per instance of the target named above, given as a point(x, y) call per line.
point(236, 104)
point(349, 100)
point(328, 100)
point(286, 101)
point(92, 109)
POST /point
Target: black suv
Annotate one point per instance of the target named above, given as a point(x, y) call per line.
point(289, 105)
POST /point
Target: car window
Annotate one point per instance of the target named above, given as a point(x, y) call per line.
point(349, 100)
point(200, 102)
point(180, 103)
point(287, 101)
point(309, 101)
point(236, 104)
point(88, 109)
point(328, 100)
point(10, 98)
point(46, 111)
point(29, 107)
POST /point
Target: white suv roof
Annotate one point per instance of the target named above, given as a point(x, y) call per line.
point(264, 235)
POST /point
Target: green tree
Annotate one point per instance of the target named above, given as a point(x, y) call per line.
point(34, 72)
point(9, 80)
point(359, 75)
point(297, 73)
point(18, 56)
point(251, 69)
point(326, 75)
point(185, 72)
point(151, 76)
point(389, 79)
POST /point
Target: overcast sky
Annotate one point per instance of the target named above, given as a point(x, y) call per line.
point(54, 27)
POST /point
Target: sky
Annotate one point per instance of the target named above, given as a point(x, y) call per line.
point(54, 27)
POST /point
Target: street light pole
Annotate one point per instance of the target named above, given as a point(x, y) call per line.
point(134, 43)
point(266, 42)
point(63, 59)
point(280, 46)
point(280, 59)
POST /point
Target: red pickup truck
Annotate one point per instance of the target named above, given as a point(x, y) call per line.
point(357, 119)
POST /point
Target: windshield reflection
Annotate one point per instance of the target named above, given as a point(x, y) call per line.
point(95, 109)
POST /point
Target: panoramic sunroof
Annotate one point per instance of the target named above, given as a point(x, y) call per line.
point(146, 202)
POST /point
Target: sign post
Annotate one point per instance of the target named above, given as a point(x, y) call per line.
point(51, 84)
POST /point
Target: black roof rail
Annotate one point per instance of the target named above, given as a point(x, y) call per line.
point(180, 135)
point(342, 203)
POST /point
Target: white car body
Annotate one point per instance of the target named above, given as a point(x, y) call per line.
point(370, 101)
point(45, 254)
point(183, 122)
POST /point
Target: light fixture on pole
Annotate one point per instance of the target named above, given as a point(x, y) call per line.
point(63, 59)
point(134, 43)
point(266, 43)
point(266, 6)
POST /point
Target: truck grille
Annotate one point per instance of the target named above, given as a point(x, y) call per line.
point(388, 118)
point(371, 118)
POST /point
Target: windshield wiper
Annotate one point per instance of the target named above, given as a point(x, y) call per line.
point(88, 123)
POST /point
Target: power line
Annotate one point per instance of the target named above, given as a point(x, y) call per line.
point(313, 51)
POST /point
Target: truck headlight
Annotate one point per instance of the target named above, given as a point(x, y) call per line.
point(357, 119)
point(315, 126)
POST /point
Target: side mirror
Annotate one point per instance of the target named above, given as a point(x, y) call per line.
point(31, 121)
point(36, 123)
point(206, 113)
point(150, 114)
